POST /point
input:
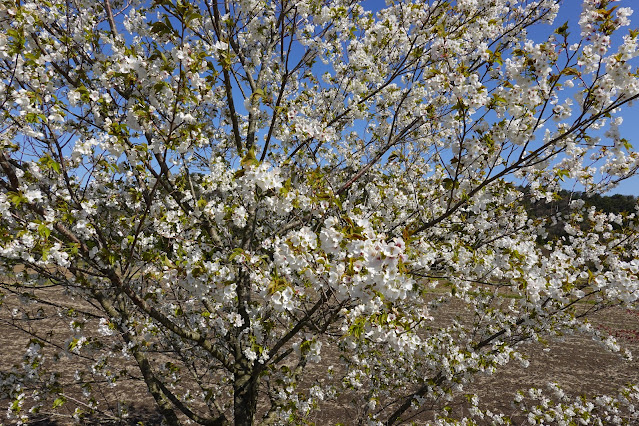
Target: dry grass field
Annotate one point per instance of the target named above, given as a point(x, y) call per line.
point(577, 364)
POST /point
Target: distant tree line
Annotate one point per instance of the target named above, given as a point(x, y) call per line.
point(616, 203)
point(558, 207)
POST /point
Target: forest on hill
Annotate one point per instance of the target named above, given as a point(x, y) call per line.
point(559, 209)
point(616, 203)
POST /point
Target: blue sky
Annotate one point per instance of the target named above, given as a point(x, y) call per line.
point(570, 11)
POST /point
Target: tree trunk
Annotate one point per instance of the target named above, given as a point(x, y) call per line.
point(244, 399)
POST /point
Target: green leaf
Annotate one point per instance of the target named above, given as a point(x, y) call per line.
point(225, 59)
point(449, 183)
point(257, 94)
point(562, 173)
point(167, 262)
point(49, 163)
point(286, 187)
point(73, 344)
point(570, 71)
point(190, 16)
point(563, 30)
point(16, 198)
point(497, 58)
point(59, 402)
point(305, 346)
point(159, 86)
point(249, 159)
point(16, 41)
point(357, 328)
point(163, 28)
point(159, 28)
point(395, 155)
point(236, 252)
point(356, 236)
point(44, 231)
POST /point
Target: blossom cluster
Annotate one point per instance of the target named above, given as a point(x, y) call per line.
point(228, 195)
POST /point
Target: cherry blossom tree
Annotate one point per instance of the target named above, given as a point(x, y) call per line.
point(256, 207)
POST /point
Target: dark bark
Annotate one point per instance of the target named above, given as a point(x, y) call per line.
point(244, 399)
point(423, 390)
